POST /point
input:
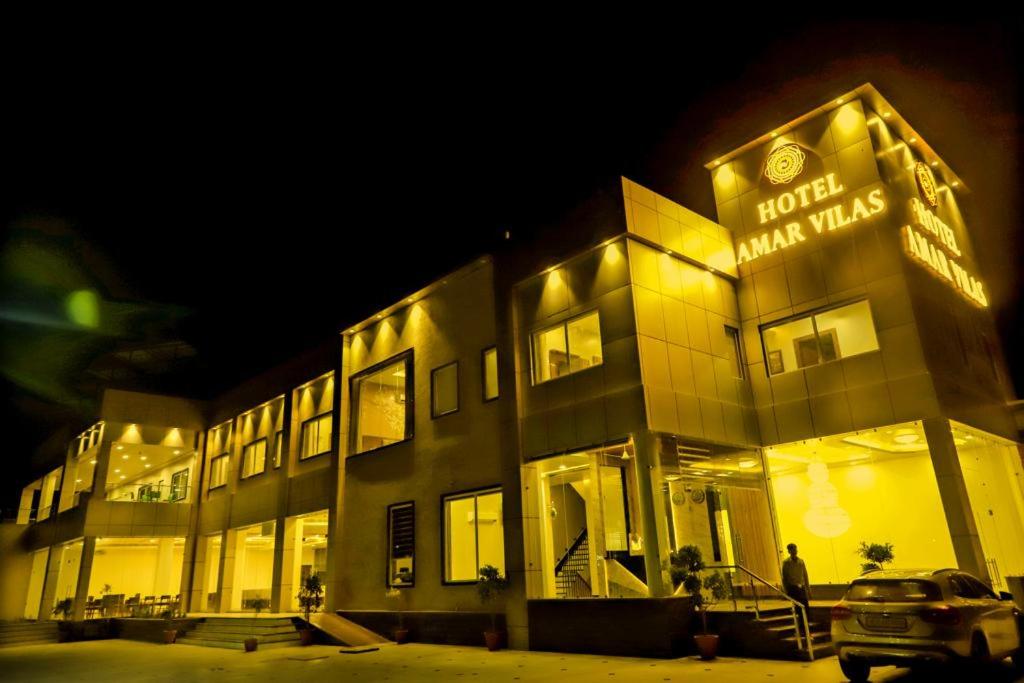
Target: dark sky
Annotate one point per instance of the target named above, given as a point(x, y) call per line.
point(253, 200)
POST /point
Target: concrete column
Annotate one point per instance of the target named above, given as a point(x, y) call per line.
point(194, 595)
point(84, 575)
point(332, 579)
point(647, 465)
point(955, 502)
point(49, 596)
point(99, 477)
point(67, 488)
point(284, 560)
point(25, 508)
point(164, 567)
point(595, 530)
point(230, 584)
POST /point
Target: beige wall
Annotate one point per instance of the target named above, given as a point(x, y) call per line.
point(452, 453)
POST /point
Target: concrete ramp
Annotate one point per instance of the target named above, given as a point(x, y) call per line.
point(344, 631)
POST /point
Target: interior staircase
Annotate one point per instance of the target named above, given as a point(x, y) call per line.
point(28, 633)
point(231, 633)
point(572, 571)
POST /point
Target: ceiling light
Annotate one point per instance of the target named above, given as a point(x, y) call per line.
point(935, 163)
point(177, 452)
point(78, 481)
point(93, 461)
point(906, 438)
point(122, 476)
point(955, 183)
point(125, 457)
point(142, 457)
point(747, 464)
point(147, 465)
point(912, 140)
point(120, 447)
point(116, 471)
point(839, 101)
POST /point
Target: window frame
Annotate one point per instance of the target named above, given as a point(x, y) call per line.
point(483, 374)
point(564, 324)
point(241, 472)
point(812, 315)
point(461, 495)
point(411, 504)
point(184, 490)
point(458, 404)
point(278, 448)
point(210, 485)
point(408, 357)
point(733, 334)
point(302, 430)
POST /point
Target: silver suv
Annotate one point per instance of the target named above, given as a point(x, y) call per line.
point(913, 617)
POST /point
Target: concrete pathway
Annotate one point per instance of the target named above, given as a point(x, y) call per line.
point(122, 660)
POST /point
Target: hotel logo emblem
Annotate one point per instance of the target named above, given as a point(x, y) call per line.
point(784, 164)
point(926, 183)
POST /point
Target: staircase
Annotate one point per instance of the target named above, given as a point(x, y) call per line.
point(572, 570)
point(775, 634)
point(28, 633)
point(231, 633)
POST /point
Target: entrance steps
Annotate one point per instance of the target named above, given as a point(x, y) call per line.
point(231, 633)
point(28, 633)
point(771, 634)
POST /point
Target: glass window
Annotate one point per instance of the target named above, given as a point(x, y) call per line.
point(490, 373)
point(891, 590)
point(316, 436)
point(819, 338)
point(444, 390)
point(567, 347)
point(254, 458)
point(401, 545)
point(473, 535)
point(179, 486)
point(732, 337)
point(382, 404)
point(218, 471)
point(278, 448)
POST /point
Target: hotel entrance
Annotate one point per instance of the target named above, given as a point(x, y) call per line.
point(715, 498)
point(584, 507)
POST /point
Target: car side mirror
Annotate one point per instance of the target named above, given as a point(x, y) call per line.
point(1003, 595)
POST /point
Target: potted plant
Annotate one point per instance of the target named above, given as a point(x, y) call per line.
point(490, 587)
point(63, 608)
point(687, 566)
point(876, 555)
point(311, 597)
point(170, 631)
point(257, 605)
point(401, 633)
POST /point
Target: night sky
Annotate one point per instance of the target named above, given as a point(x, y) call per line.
point(250, 202)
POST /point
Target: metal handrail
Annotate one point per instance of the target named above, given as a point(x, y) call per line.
point(757, 613)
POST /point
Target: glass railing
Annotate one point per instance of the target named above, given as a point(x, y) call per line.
point(151, 493)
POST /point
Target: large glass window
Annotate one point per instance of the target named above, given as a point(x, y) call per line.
point(218, 471)
point(254, 458)
point(316, 436)
point(382, 403)
point(568, 347)
point(819, 338)
point(490, 373)
point(444, 390)
point(401, 545)
point(473, 535)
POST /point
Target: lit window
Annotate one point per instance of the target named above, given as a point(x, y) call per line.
point(179, 486)
point(382, 397)
point(254, 458)
point(278, 448)
point(474, 535)
point(444, 390)
point(819, 338)
point(401, 545)
point(219, 471)
point(567, 347)
point(732, 338)
point(316, 436)
point(490, 373)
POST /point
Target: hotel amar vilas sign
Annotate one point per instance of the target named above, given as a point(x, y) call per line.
point(805, 208)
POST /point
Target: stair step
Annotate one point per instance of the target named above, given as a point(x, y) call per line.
point(816, 637)
point(241, 628)
point(42, 627)
point(247, 621)
point(239, 637)
point(236, 645)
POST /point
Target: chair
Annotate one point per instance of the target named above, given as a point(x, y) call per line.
point(131, 605)
point(148, 603)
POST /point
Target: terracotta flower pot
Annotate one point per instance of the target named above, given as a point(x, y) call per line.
point(170, 635)
point(493, 640)
point(250, 644)
point(707, 645)
point(401, 636)
point(306, 636)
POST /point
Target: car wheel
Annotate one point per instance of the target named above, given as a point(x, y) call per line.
point(855, 670)
point(979, 649)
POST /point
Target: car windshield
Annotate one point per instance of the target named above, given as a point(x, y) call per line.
point(881, 590)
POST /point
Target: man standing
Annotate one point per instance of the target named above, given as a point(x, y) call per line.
point(794, 578)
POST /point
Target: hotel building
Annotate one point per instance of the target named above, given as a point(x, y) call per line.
point(818, 365)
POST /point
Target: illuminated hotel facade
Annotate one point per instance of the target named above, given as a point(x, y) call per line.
point(818, 366)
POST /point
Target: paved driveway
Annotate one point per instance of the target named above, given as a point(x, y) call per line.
point(134, 662)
